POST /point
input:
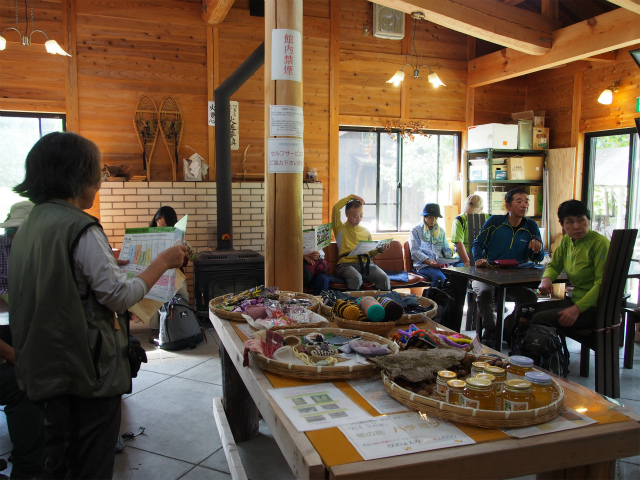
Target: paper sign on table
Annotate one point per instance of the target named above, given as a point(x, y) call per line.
point(373, 391)
point(401, 434)
point(313, 407)
point(566, 420)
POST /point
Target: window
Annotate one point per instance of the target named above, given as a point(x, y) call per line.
point(19, 132)
point(612, 186)
point(396, 176)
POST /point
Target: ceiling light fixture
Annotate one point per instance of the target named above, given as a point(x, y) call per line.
point(398, 77)
point(25, 38)
point(606, 97)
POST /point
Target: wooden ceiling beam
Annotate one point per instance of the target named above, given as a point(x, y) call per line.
point(215, 11)
point(601, 34)
point(490, 20)
point(631, 5)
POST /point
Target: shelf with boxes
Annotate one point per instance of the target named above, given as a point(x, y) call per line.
point(493, 172)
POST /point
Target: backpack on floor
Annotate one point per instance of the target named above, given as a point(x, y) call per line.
point(444, 298)
point(179, 326)
point(543, 345)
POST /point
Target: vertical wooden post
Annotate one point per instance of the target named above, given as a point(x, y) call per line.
point(283, 191)
point(577, 138)
point(334, 106)
point(71, 70)
point(213, 80)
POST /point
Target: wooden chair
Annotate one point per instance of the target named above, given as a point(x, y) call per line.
point(408, 266)
point(474, 226)
point(633, 317)
point(604, 340)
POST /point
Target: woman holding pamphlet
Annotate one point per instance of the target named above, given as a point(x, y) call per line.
point(428, 243)
point(67, 294)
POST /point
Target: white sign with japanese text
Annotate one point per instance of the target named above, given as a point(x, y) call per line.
point(286, 155)
point(401, 434)
point(233, 121)
point(286, 55)
point(286, 120)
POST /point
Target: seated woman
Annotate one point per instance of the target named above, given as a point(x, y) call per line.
point(428, 243)
point(582, 253)
point(164, 217)
point(314, 273)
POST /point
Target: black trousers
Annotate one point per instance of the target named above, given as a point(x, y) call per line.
point(80, 437)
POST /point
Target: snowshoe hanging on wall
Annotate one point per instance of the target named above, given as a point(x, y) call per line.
point(171, 125)
point(145, 123)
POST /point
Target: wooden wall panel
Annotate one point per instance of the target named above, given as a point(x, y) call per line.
point(495, 103)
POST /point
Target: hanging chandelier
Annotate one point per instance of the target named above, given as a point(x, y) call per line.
point(398, 77)
point(25, 38)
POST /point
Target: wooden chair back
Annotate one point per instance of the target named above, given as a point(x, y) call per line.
point(475, 221)
point(391, 259)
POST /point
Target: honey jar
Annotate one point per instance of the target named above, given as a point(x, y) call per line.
point(489, 377)
point(541, 387)
point(478, 367)
point(518, 366)
point(478, 394)
point(454, 390)
point(441, 382)
point(517, 395)
point(500, 375)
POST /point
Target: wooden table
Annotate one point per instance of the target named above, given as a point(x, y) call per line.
point(501, 279)
point(588, 452)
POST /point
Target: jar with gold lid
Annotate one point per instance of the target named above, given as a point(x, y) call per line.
point(441, 382)
point(478, 394)
point(518, 366)
point(541, 387)
point(478, 367)
point(454, 390)
point(489, 377)
point(517, 395)
point(500, 375)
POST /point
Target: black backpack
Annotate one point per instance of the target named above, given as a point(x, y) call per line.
point(179, 326)
point(543, 345)
point(444, 297)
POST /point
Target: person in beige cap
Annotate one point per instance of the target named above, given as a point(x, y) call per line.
point(17, 214)
point(459, 231)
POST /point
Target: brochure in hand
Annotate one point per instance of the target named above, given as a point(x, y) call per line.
point(315, 239)
point(142, 245)
point(365, 247)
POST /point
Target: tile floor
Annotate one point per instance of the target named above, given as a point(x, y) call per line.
point(172, 400)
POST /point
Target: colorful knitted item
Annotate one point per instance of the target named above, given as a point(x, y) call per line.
point(346, 310)
point(393, 311)
point(372, 309)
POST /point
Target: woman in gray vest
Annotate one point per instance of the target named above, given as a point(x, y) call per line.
point(67, 294)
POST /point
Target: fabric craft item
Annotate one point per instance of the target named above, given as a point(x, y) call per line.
point(314, 338)
point(340, 340)
point(347, 310)
point(368, 348)
point(256, 311)
point(393, 311)
point(267, 347)
point(372, 309)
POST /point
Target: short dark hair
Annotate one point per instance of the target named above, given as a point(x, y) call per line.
point(352, 204)
point(508, 198)
point(169, 214)
point(574, 208)
point(60, 166)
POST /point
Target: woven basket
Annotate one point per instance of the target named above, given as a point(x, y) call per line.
point(377, 328)
point(406, 319)
point(472, 416)
point(237, 316)
point(333, 372)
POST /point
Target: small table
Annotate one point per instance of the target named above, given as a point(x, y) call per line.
point(327, 454)
point(501, 279)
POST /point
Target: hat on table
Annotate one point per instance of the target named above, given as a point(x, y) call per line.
point(431, 210)
point(17, 214)
point(473, 204)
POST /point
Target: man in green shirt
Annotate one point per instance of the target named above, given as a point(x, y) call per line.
point(460, 230)
point(582, 254)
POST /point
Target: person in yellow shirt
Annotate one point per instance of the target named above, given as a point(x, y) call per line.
point(354, 269)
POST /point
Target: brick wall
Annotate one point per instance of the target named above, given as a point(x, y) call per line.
point(133, 204)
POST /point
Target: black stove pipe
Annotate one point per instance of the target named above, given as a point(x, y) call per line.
point(223, 144)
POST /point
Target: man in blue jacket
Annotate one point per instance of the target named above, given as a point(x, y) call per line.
point(510, 236)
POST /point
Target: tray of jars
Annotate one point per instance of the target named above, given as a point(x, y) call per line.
point(430, 399)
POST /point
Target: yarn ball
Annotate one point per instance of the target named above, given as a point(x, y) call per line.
point(393, 310)
point(347, 310)
point(372, 309)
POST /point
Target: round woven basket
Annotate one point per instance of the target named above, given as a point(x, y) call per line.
point(237, 316)
point(333, 372)
point(473, 416)
point(406, 319)
point(377, 328)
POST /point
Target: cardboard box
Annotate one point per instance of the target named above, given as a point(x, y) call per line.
point(525, 134)
point(493, 135)
point(477, 172)
point(535, 205)
point(524, 168)
point(540, 138)
point(515, 168)
point(498, 172)
point(533, 189)
point(536, 118)
point(497, 203)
